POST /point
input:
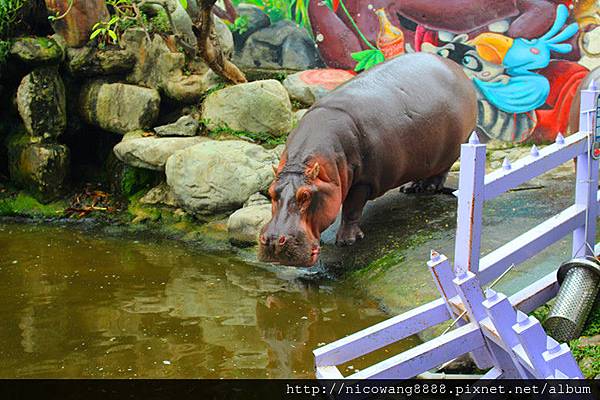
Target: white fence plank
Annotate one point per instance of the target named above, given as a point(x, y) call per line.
point(426, 356)
point(382, 334)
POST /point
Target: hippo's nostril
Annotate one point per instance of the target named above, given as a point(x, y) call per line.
point(282, 240)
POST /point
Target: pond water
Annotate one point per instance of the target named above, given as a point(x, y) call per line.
point(76, 303)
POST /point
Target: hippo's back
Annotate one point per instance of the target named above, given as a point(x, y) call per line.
point(412, 113)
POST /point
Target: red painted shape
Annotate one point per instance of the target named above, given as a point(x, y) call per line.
point(326, 78)
point(564, 77)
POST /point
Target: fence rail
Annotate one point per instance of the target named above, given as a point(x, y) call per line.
point(493, 328)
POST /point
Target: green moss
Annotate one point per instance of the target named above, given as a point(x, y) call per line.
point(160, 23)
point(588, 358)
point(391, 258)
point(224, 132)
point(541, 313)
point(24, 205)
point(133, 180)
point(592, 326)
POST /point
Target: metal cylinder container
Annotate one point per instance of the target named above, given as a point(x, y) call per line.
point(579, 281)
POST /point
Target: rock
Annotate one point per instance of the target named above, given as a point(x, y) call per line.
point(224, 36)
point(119, 108)
point(37, 50)
point(309, 86)
point(219, 176)
point(299, 114)
point(160, 68)
point(151, 152)
point(260, 106)
point(181, 20)
point(256, 19)
point(159, 195)
point(244, 225)
point(39, 168)
point(76, 25)
point(282, 45)
point(256, 199)
point(41, 102)
point(184, 126)
point(589, 341)
point(90, 61)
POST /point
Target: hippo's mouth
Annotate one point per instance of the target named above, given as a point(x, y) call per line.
point(295, 257)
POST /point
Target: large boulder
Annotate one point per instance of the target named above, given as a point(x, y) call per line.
point(119, 108)
point(258, 107)
point(90, 61)
point(224, 36)
point(79, 18)
point(309, 86)
point(282, 45)
point(256, 19)
point(41, 102)
point(184, 126)
point(244, 225)
point(158, 67)
point(151, 152)
point(39, 168)
point(216, 177)
point(37, 50)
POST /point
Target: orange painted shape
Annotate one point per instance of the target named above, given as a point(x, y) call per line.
point(326, 78)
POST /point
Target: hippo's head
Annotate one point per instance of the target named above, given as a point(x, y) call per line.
point(305, 201)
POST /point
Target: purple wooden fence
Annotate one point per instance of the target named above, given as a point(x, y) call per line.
point(492, 328)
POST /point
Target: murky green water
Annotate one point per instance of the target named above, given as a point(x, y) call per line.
point(78, 304)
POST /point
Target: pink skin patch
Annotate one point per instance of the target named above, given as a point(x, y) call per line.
point(326, 78)
point(535, 50)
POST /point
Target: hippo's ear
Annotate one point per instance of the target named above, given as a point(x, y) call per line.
point(312, 172)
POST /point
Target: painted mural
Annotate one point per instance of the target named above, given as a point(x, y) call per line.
point(526, 57)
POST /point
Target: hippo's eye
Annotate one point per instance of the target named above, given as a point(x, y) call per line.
point(471, 63)
point(443, 53)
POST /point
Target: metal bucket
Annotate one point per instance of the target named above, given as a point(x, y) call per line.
point(579, 281)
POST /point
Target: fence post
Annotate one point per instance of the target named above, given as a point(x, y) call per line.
point(586, 185)
point(470, 206)
point(468, 288)
point(532, 338)
point(503, 316)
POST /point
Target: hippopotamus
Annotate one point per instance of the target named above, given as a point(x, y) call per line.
point(402, 121)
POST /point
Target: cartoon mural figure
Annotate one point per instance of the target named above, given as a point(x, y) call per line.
point(505, 72)
point(526, 90)
point(521, 55)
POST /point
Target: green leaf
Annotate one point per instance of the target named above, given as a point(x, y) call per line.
point(329, 3)
point(184, 3)
point(94, 34)
point(367, 59)
point(112, 35)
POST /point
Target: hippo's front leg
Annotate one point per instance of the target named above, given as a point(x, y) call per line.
point(349, 231)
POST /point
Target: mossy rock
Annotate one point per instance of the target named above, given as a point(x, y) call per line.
point(24, 205)
point(39, 168)
point(41, 101)
point(37, 50)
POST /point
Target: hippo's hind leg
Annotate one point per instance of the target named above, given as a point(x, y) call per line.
point(433, 184)
point(349, 231)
